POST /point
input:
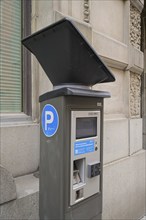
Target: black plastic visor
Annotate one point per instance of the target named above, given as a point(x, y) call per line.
point(66, 57)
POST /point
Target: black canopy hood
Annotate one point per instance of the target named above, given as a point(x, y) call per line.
point(66, 57)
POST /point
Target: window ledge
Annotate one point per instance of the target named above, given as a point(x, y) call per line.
point(15, 119)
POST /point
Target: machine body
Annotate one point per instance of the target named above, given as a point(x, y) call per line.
point(71, 160)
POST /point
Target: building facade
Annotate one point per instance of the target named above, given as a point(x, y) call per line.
point(117, 31)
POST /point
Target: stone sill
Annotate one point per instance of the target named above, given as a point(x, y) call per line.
point(138, 4)
point(117, 54)
point(13, 119)
point(111, 163)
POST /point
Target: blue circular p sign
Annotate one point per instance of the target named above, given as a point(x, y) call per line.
point(50, 120)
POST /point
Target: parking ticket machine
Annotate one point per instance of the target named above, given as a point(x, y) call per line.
point(71, 134)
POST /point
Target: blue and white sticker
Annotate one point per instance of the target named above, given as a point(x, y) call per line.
point(50, 120)
point(83, 147)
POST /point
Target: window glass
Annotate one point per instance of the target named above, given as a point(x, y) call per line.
point(10, 56)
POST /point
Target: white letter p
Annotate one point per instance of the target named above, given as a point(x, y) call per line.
point(48, 121)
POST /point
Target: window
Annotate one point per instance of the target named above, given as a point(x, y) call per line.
point(13, 79)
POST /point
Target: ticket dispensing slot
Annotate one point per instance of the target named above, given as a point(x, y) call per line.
point(78, 171)
point(79, 178)
point(85, 155)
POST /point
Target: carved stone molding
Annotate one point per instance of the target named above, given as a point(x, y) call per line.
point(86, 11)
point(135, 95)
point(135, 27)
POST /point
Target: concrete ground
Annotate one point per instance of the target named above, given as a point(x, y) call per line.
point(26, 206)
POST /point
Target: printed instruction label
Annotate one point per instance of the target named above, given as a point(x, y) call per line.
point(83, 147)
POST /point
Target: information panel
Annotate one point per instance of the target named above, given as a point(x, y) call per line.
point(83, 147)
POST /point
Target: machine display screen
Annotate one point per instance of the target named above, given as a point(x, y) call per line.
point(86, 127)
